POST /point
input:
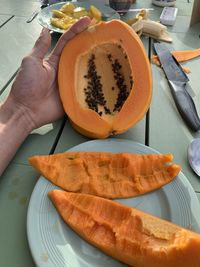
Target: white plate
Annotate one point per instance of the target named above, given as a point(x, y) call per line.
point(46, 13)
point(54, 244)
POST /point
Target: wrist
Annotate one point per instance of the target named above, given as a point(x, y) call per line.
point(12, 113)
point(15, 125)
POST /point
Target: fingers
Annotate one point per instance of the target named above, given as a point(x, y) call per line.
point(78, 27)
point(42, 44)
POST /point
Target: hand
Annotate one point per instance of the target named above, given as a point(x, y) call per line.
point(35, 89)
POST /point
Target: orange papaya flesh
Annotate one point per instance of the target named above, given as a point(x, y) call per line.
point(127, 234)
point(180, 56)
point(109, 175)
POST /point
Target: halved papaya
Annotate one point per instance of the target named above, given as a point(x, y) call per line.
point(105, 81)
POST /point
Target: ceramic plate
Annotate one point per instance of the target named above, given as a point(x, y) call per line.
point(46, 13)
point(54, 244)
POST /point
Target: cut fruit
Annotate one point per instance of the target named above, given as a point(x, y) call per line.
point(108, 175)
point(127, 234)
point(108, 87)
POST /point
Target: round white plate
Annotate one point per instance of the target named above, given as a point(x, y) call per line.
point(46, 13)
point(54, 244)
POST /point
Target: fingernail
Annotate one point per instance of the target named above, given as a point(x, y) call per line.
point(44, 30)
point(84, 23)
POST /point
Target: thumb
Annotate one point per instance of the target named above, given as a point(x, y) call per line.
point(75, 29)
point(42, 44)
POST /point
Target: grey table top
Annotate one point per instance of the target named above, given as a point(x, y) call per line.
point(167, 132)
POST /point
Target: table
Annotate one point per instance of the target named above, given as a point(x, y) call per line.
point(163, 129)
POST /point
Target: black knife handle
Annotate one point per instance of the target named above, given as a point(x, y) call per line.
point(185, 105)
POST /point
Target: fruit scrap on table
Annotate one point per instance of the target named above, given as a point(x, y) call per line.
point(69, 13)
point(181, 56)
point(109, 175)
point(127, 234)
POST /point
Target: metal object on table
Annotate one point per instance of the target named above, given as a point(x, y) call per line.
point(177, 80)
point(193, 154)
point(44, 4)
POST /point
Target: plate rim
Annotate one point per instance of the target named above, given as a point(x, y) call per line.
point(182, 179)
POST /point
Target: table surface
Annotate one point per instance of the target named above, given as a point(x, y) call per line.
point(163, 129)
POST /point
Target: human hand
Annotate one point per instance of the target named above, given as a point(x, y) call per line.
point(35, 89)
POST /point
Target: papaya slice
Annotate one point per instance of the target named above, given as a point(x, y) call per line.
point(109, 175)
point(127, 234)
point(95, 13)
point(68, 8)
point(180, 56)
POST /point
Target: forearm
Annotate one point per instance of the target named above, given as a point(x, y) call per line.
point(15, 125)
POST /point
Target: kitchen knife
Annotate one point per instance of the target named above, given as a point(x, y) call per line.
point(177, 80)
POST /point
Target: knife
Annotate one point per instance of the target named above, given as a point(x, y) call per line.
point(177, 80)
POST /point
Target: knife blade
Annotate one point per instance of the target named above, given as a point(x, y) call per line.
point(177, 80)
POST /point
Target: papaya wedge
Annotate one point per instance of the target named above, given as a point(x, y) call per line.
point(109, 175)
point(180, 56)
point(127, 234)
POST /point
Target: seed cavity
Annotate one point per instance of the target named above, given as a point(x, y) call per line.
point(122, 81)
point(94, 95)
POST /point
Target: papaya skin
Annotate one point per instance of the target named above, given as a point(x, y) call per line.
point(129, 235)
point(109, 175)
